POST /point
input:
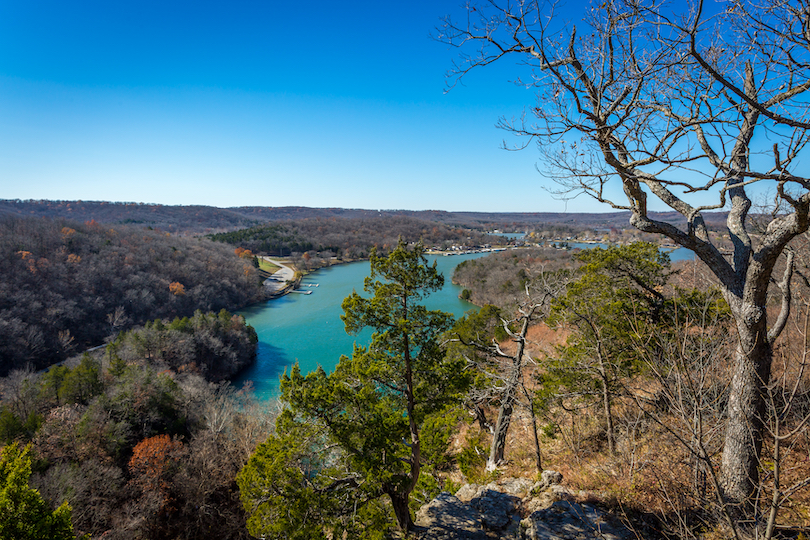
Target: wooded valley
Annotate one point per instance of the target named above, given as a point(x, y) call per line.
point(607, 365)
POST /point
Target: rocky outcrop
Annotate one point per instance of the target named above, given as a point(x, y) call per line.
point(448, 518)
point(567, 520)
point(515, 508)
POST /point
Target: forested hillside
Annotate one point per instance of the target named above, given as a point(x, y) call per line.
point(135, 449)
point(159, 216)
point(348, 237)
point(207, 219)
point(500, 279)
point(65, 286)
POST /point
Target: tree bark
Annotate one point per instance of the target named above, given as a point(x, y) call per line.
point(496, 450)
point(403, 514)
point(481, 417)
point(606, 403)
point(399, 502)
point(537, 456)
point(746, 409)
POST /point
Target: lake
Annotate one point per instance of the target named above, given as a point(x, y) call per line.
point(307, 327)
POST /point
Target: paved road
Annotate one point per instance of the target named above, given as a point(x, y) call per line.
point(281, 276)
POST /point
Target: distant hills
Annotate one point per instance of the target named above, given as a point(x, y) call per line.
point(207, 219)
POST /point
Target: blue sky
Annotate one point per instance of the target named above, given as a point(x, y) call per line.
point(246, 103)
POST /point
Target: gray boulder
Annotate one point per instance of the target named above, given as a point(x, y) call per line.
point(567, 520)
point(448, 518)
point(468, 492)
point(551, 478)
point(496, 509)
point(548, 478)
point(519, 487)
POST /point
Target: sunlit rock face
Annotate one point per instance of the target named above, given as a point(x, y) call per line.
point(516, 508)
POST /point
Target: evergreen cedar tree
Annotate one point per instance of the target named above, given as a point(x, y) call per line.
point(24, 515)
point(349, 438)
point(614, 295)
point(664, 101)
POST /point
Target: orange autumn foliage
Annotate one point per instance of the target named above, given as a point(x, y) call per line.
point(177, 288)
point(151, 460)
point(243, 253)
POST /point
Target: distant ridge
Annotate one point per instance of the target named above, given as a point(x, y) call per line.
point(205, 219)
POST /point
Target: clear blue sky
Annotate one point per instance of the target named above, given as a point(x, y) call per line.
point(243, 103)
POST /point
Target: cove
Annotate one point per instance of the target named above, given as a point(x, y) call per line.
point(307, 328)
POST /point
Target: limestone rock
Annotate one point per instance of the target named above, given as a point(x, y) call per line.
point(519, 487)
point(448, 518)
point(496, 508)
point(540, 501)
point(548, 479)
point(494, 511)
point(566, 520)
point(467, 492)
point(551, 478)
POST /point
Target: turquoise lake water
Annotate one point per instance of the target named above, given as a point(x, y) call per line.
point(307, 327)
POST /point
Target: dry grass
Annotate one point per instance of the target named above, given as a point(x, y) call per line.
point(651, 472)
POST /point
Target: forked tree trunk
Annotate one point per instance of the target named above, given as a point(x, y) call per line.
point(496, 450)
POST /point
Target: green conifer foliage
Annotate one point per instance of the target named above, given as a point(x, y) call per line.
point(353, 436)
point(24, 515)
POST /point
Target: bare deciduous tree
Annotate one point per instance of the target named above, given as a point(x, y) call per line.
point(685, 110)
point(504, 370)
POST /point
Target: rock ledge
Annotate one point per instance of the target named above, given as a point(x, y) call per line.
point(516, 508)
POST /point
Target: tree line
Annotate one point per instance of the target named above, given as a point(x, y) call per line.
point(348, 238)
point(65, 286)
point(500, 279)
point(194, 219)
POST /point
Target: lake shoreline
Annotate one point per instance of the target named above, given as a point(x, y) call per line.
point(307, 328)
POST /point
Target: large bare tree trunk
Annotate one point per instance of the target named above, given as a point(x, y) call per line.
point(746, 408)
